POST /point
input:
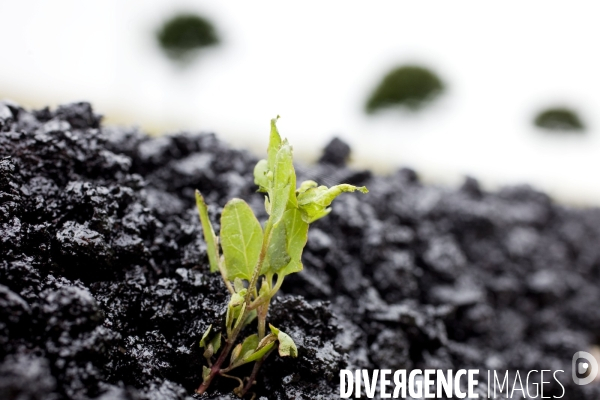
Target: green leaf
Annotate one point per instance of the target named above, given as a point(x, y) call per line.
point(263, 348)
point(266, 340)
point(244, 350)
point(276, 176)
point(288, 239)
point(258, 354)
point(314, 202)
point(208, 353)
point(277, 255)
point(251, 317)
point(242, 237)
point(237, 298)
point(229, 319)
point(265, 288)
point(287, 347)
point(216, 342)
point(296, 238)
point(212, 242)
point(235, 354)
point(235, 307)
point(249, 345)
point(267, 205)
point(213, 346)
point(274, 144)
point(240, 315)
point(260, 176)
point(205, 373)
point(304, 186)
point(284, 183)
point(204, 336)
point(238, 285)
point(285, 168)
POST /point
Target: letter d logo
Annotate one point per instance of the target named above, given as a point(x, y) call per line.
point(581, 368)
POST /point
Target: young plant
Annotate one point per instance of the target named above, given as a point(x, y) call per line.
point(254, 260)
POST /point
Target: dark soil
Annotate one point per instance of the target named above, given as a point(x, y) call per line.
point(105, 289)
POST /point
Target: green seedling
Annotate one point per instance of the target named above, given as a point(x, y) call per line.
point(254, 259)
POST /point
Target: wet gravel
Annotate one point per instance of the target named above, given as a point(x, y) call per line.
point(105, 290)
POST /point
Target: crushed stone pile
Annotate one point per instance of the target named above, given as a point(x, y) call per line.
point(105, 290)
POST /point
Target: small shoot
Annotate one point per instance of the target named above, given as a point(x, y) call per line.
point(254, 260)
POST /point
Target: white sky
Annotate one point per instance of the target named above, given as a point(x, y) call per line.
point(314, 63)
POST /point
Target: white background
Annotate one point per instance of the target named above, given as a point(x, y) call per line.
point(315, 62)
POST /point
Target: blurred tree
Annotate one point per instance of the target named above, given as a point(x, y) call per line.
point(184, 34)
point(559, 119)
point(409, 86)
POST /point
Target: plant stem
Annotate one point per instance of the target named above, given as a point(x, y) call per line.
point(252, 379)
point(227, 283)
point(233, 377)
point(261, 312)
point(278, 284)
point(216, 367)
point(256, 273)
point(261, 259)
